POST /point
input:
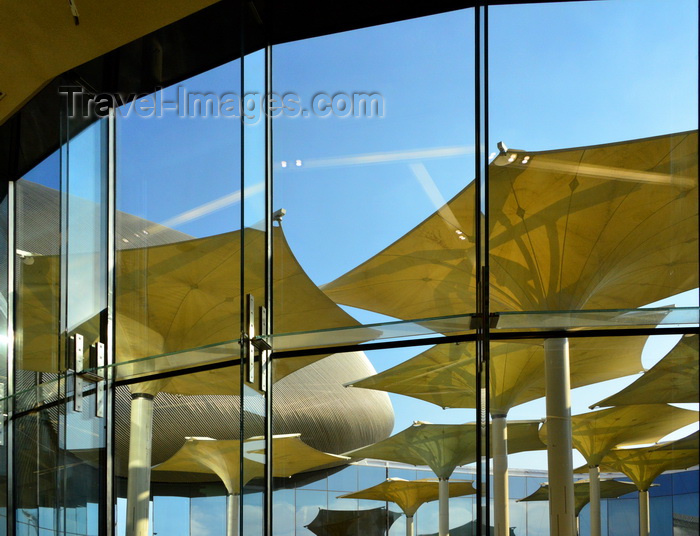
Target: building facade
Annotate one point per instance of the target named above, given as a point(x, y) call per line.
point(220, 220)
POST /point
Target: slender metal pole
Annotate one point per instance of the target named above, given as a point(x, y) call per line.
point(644, 513)
point(594, 493)
point(139, 484)
point(409, 525)
point(232, 505)
point(444, 515)
point(499, 435)
point(562, 518)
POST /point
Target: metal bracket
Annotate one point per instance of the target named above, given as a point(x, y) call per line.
point(97, 359)
point(264, 348)
point(251, 343)
point(476, 323)
point(248, 336)
point(76, 347)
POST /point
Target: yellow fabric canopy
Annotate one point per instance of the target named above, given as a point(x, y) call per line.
point(445, 374)
point(596, 433)
point(602, 227)
point(443, 447)
point(674, 379)
point(181, 302)
point(222, 458)
point(643, 465)
point(409, 495)
point(609, 489)
point(688, 442)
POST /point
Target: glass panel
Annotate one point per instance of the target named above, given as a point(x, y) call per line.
point(4, 309)
point(178, 283)
point(208, 514)
point(83, 468)
point(254, 408)
point(373, 197)
point(334, 409)
point(593, 189)
point(344, 480)
point(37, 282)
point(624, 425)
point(84, 295)
point(37, 471)
point(177, 223)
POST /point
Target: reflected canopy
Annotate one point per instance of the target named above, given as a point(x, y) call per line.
point(609, 489)
point(409, 495)
point(445, 374)
point(374, 522)
point(180, 303)
point(443, 447)
point(596, 433)
point(643, 465)
point(223, 458)
point(674, 379)
point(586, 228)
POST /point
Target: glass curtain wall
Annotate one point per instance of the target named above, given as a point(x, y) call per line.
point(420, 234)
point(60, 320)
point(178, 297)
point(593, 224)
point(374, 229)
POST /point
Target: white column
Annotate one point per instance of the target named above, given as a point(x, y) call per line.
point(232, 506)
point(644, 513)
point(562, 516)
point(594, 497)
point(444, 514)
point(499, 446)
point(409, 525)
point(138, 492)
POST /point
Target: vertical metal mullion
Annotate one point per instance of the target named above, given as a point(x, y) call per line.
point(482, 276)
point(478, 237)
point(267, 520)
point(9, 404)
point(241, 428)
point(63, 365)
point(107, 505)
point(486, 304)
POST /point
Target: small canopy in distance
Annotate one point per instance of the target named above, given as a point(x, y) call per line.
point(409, 495)
point(443, 447)
point(595, 433)
point(609, 489)
point(223, 458)
point(643, 465)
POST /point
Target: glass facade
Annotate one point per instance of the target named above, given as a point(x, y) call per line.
point(460, 247)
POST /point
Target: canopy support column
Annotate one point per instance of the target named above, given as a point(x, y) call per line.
point(562, 518)
point(499, 434)
point(594, 496)
point(138, 493)
point(444, 514)
point(232, 506)
point(409, 525)
point(644, 513)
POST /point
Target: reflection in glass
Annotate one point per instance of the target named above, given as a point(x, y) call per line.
point(170, 233)
point(358, 183)
point(37, 281)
